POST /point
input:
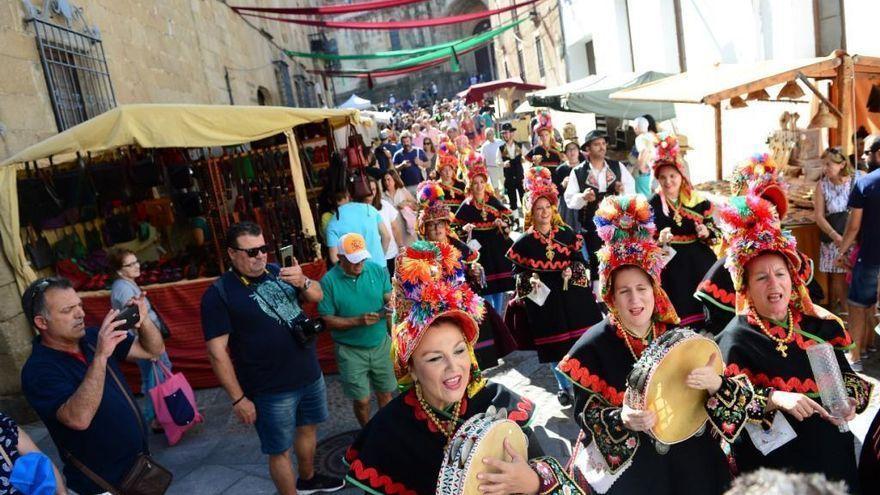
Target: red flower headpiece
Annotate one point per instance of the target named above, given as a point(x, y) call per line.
point(544, 123)
point(759, 176)
point(476, 167)
point(667, 152)
point(539, 184)
point(626, 225)
point(447, 155)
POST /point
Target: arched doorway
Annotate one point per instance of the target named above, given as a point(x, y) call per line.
point(484, 58)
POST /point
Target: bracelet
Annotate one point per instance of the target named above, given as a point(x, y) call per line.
point(235, 403)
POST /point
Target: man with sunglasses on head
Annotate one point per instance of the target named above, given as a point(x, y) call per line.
point(270, 372)
point(73, 381)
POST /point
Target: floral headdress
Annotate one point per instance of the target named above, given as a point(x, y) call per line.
point(539, 184)
point(626, 225)
point(751, 226)
point(476, 167)
point(544, 123)
point(430, 196)
point(759, 176)
point(667, 152)
point(447, 155)
point(429, 283)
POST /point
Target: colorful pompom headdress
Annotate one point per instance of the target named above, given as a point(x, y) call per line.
point(759, 176)
point(539, 184)
point(667, 152)
point(429, 283)
point(432, 208)
point(544, 123)
point(626, 225)
point(752, 227)
point(476, 167)
point(447, 155)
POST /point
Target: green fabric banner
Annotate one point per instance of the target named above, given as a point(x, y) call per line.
point(458, 45)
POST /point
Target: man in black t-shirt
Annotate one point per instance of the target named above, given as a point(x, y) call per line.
point(274, 382)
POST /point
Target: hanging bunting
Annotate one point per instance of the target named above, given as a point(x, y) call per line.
point(370, 74)
point(406, 52)
point(329, 9)
point(392, 25)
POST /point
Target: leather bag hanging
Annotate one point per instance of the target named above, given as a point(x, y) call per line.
point(39, 250)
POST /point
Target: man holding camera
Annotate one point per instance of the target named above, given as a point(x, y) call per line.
point(73, 381)
point(275, 382)
point(355, 295)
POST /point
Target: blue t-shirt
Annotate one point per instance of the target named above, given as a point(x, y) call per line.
point(412, 175)
point(358, 218)
point(349, 296)
point(112, 442)
point(383, 160)
point(258, 318)
point(866, 195)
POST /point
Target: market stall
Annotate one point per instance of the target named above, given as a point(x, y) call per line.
point(507, 91)
point(797, 150)
point(166, 181)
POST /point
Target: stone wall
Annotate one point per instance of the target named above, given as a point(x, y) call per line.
point(547, 31)
point(169, 51)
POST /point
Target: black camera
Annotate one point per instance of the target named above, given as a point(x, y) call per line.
point(304, 329)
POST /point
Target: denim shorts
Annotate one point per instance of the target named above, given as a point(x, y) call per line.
point(863, 288)
point(278, 415)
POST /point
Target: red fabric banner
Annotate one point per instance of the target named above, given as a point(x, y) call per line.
point(179, 305)
point(329, 9)
point(390, 25)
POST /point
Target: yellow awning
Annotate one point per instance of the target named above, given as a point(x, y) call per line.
point(177, 126)
point(160, 126)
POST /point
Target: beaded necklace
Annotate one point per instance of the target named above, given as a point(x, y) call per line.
point(480, 205)
point(675, 206)
point(548, 240)
point(781, 344)
point(447, 431)
point(644, 340)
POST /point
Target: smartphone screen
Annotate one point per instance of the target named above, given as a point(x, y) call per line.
point(287, 255)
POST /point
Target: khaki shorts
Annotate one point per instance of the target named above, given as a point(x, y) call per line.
point(363, 368)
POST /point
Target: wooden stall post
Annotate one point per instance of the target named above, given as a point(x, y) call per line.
point(719, 169)
point(846, 103)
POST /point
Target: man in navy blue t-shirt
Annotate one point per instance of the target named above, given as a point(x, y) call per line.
point(411, 163)
point(864, 204)
point(90, 416)
point(273, 379)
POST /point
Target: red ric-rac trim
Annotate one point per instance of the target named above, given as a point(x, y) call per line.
point(523, 412)
point(716, 292)
point(538, 264)
point(793, 384)
point(582, 375)
point(379, 481)
point(411, 400)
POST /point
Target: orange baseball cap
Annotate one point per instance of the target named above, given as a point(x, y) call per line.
point(353, 247)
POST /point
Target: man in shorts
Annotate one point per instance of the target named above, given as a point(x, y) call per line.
point(355, 295)
point(271, 375)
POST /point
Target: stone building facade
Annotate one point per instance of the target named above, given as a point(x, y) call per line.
point(173, 51)
point(535, 50)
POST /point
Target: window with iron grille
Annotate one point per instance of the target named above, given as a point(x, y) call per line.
point(76, 73)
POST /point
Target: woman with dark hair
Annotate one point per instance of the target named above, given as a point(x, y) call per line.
point(126, 267)
point(395, 192)
point(614, 452)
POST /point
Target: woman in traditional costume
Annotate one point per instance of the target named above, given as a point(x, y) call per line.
point(759, 176)
point(684, 221)
point(613, 453)
point(766, 344)
point(434, 327)
point(549, 253)
point(483, 218)
point(547, 152)
point(454, 190)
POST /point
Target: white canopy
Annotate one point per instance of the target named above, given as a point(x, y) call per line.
point(357, 103)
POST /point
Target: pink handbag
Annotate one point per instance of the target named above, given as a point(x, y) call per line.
point(174, 402)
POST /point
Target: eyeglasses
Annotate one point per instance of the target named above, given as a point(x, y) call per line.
point(133, 263)
point(253, 252)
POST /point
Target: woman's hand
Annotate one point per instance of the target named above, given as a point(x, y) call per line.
point(515, 476)
point(665, 236)
point(799, 406)
point(705, 377)
point(636, 420)
point(567, 273)
point(476, 270)
point(499, 222)
point(702, 231)
point(836, 238)
point(469, 227)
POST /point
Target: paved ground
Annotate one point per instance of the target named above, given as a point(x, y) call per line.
point(222, 456)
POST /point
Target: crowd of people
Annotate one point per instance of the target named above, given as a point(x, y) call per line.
point(464, 247)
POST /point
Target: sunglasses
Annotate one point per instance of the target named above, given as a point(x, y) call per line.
point(39, 289)
point(253, 252)
point(133, 263)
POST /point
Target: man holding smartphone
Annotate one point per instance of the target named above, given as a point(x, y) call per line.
point(355, 295)
point(70, 379)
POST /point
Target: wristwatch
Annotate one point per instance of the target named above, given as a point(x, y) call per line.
point(307, 284)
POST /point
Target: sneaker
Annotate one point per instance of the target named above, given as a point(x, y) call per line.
point(564, 398)
point(856, 366)
point(319, 483)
